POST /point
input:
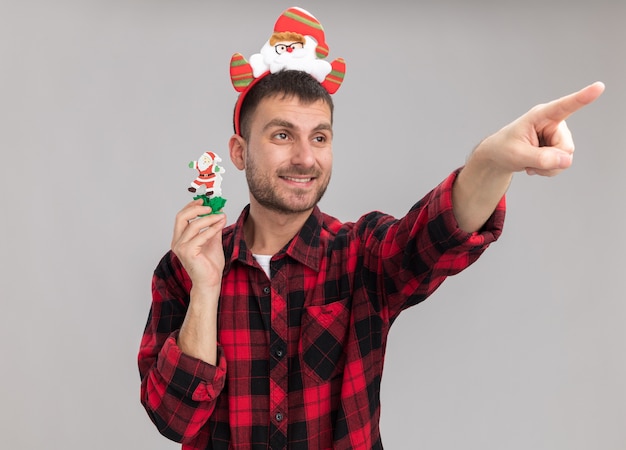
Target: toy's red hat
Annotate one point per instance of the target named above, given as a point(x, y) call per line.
point(298, 20)
point(246, 74)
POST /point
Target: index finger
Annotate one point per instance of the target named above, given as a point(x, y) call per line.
point(189, 212)
point(560, 109)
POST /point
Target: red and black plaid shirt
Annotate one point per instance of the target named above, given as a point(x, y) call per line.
point(300, 355)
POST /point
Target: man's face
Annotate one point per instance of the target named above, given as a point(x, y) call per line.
point(288, 159)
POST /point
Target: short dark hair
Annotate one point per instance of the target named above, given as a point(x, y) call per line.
point(286, 83)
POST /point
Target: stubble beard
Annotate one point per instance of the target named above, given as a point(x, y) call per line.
point(261, 189)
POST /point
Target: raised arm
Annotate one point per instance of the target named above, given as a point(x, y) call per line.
point(197, 242)
point(181, 366)
point(538, 142)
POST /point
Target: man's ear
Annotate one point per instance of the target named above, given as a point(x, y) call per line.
point(237, 147)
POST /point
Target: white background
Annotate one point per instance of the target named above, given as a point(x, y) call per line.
point(103, 104)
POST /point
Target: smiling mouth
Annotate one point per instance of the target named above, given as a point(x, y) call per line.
point(298, 180)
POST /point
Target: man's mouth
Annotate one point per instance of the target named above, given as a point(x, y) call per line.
point(298, 180)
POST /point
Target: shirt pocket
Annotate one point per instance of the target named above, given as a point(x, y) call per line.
point(323, 339)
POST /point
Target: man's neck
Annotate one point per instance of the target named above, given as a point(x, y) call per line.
point(266, 232)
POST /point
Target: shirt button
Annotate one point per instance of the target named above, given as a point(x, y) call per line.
point(279, 417)
point(279, 352)
point(266, 290)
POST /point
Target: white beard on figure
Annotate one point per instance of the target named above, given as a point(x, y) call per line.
point(303, 59)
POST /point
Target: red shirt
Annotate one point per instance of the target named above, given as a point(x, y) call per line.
point(300, 355)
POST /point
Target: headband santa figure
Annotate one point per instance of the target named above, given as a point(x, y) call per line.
point(297, 43)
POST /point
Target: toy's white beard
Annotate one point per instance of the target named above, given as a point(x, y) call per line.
point(271, 58)
point(204, 164)
point(303, 59)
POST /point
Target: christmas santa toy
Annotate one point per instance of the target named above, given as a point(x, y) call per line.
point(297, 43)
point(209, 174)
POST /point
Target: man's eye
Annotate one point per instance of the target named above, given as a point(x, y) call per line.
point(281, 136)
point(320, 139)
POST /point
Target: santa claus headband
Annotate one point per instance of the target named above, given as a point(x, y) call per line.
point(297, 43)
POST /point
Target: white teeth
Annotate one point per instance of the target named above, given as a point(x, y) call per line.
point(298, 180)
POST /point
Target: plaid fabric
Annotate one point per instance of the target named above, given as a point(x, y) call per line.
point(300, 355)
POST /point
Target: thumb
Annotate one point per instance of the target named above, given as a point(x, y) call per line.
point(548, 161)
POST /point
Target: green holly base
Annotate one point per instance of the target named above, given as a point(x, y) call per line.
point(216, 203)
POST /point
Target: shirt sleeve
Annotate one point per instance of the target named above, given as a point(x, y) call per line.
point(179, 392)
point(412, 256)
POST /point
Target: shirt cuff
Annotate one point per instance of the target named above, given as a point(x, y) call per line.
point(189, 376)
point(441, 216)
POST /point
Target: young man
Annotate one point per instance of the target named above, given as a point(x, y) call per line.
point(271, 333)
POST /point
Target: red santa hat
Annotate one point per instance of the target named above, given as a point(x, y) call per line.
point(213, 156)
point(298, 20)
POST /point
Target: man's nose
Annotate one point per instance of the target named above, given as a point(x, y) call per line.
point(303, 154)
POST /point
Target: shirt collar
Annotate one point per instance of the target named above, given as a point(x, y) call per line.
point(304, 246)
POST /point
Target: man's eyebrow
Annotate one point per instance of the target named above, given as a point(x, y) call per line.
point(324, 126)
point(278, 123)
point(282, 123)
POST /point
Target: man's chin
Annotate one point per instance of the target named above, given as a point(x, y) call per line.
point(285, 206)
point(289, 208)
